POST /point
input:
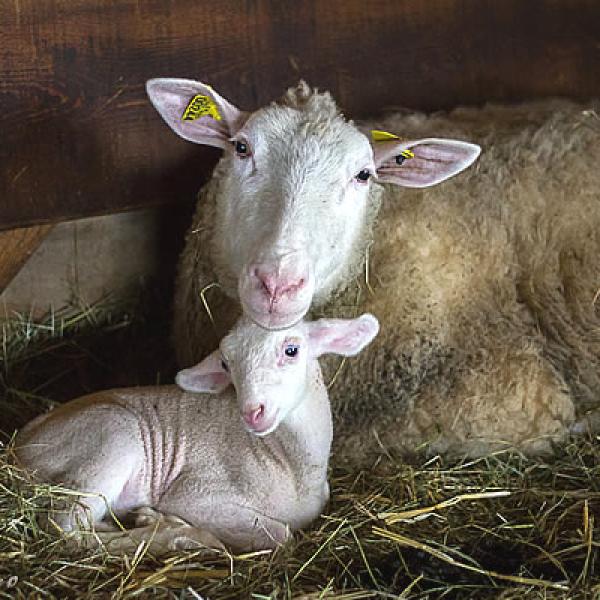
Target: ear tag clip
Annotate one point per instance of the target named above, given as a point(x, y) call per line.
point(382, 136)
point(201, 106)
point(404, 155)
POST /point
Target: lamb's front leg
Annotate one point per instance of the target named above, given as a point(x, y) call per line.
point(160, 533)
point(229, 516)
point(244, 529)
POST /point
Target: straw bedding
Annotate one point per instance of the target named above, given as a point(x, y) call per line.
point(504, 526)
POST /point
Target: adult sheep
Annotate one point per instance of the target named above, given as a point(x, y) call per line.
point(485, 287)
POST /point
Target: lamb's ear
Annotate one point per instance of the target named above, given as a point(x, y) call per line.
point(341, 336)
point(208, 376)
point(421, 163)
point(194, 111)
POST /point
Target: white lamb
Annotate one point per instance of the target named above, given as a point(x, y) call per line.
point(217, 479)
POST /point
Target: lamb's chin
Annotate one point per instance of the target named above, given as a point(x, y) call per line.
point(267, 429)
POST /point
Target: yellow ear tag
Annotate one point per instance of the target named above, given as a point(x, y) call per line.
point(201, 106)
point(382, 136)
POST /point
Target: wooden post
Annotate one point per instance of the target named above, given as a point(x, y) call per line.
point(16, 246)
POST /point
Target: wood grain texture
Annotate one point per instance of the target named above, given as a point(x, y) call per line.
point(16, 246)
point(79, 138)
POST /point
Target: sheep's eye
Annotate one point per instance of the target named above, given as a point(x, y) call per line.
point(225, 366)
point(363, 176)
point(241, 149)
point(291, 351)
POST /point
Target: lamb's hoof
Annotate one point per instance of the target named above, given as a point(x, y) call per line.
point(196, 539)
point(146, 515)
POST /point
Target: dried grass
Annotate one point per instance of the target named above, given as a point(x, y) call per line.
point(504, 526)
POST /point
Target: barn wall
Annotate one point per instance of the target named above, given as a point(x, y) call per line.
point(79, 137)
point(84, 261)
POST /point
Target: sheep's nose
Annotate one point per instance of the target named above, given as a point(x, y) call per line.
point(254, 417)
point(278, 284)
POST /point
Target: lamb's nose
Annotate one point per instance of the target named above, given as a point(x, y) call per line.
point(254, 416)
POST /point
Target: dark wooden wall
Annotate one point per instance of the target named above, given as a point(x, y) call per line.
point(79, 138)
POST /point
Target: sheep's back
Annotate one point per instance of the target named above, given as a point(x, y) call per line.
point(500, 259)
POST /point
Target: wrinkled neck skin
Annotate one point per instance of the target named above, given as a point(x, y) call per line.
point(227, 266)
point(305, 435)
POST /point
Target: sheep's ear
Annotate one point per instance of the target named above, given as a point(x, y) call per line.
point(341, 336)
point(421, 163)
point(209, 376)
point(194, 111)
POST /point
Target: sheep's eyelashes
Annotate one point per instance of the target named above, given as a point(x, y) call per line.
point(225, 366)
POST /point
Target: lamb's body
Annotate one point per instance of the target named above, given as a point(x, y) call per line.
point(485, 288)
point(185, 462)
point(186, 455)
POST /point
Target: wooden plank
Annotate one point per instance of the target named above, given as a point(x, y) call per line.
point(79, 137)
point(16, 246)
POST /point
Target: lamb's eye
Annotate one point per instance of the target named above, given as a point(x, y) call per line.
point(363, 176)
point(291, 351)
point(241, 149)
point(225, 366)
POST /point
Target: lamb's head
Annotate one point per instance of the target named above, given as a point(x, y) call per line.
point(274, 371)
point(296, 199)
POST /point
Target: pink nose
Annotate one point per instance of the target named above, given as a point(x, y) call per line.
point(275, 285)
point(254, 417)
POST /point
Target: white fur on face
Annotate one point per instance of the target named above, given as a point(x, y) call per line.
point(262, 373)
point(267, 376)
point(296, 199)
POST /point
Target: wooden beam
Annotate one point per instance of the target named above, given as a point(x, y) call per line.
point(16, 246)
point(79, 138)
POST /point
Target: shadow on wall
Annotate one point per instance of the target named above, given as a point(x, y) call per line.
point(82, 261)
point(113, 343)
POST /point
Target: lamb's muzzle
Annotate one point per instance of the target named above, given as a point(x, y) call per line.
point(258, 421)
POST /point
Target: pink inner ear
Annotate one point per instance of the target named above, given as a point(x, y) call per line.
point(342, 336)
point(206, 376)
point(199, 380)
point(208, 382)
point(433, 161)
point(171, 97)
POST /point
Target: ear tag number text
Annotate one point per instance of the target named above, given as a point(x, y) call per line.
point(201, 106)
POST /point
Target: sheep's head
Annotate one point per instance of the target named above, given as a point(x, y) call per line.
point(273, 371)
point(296, 200)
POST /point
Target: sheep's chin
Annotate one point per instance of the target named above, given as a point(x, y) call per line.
point(274, 321)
